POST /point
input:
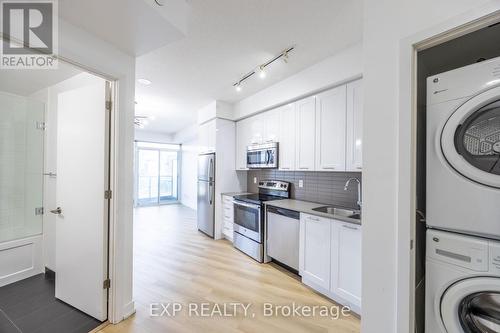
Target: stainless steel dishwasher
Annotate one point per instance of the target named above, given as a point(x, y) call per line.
point(283, 236)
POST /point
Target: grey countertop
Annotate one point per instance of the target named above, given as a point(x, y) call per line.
point(307, 207)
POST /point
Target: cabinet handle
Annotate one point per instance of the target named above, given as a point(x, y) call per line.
point(303, 168)
point(349, 227)
point(285, 168)
point(359, 168)
point(314, 218)
point(329, 168)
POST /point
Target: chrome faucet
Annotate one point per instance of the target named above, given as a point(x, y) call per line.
point(346, 186)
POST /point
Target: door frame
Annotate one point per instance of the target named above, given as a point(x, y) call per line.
point(407, 151)
point(112, 145)
point(136, 172)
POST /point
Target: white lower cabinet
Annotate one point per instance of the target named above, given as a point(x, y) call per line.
point(345, 283)
point(314, 257)
point(330, 259)
point(228, 217)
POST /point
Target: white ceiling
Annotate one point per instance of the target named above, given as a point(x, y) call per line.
point(227, 38)
point(27, 81)
point(134, 26)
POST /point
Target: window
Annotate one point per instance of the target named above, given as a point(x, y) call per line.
point(156, 174)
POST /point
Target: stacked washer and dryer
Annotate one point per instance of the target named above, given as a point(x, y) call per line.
point(463, 200)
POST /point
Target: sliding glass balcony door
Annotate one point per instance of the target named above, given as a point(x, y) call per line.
point(156, 174)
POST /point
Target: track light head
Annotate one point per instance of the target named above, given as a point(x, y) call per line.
point(238, 87)
point(262, 72)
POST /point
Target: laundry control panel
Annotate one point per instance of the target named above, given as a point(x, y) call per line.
point(495, 257)
point(458, 250)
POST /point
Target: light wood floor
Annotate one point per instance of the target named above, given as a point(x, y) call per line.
point(173, 262)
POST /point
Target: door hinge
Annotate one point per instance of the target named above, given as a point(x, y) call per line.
point(109, 105)
point(40, 125)
point(106, 284)
point(39, 211)
point(108, 194)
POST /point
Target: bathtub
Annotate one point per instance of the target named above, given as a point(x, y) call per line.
point(20, 259)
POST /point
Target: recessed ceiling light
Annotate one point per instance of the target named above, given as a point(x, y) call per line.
point(145, 82)
point(238, 87)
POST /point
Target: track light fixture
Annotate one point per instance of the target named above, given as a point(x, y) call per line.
point(261, 70)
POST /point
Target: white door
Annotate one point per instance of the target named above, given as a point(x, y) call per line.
point(314, 254)
point(330, 130)
point(81, 227)
point(306, 133)
point(354, 153)
point(287, 137)
point(346, 262)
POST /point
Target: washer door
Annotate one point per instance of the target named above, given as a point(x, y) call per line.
point(472, 306)
point(470, 139)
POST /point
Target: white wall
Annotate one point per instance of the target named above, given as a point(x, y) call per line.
point(89, 51)
point(342, 67)
point(387, 23)
point(157, 137)
point(188, 137)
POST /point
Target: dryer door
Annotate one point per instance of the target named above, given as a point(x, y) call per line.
point(470, 139)
point(472, 306)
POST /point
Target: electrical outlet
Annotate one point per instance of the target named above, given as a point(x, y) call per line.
point(301, 183)
point(255, 180)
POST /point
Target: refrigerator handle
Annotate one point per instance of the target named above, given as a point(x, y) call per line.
point(210, 193)
point(210, 170)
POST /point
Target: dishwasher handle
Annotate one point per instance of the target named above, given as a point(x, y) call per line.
point(284, 212)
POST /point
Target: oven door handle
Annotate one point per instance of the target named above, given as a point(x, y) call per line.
point(239, 203)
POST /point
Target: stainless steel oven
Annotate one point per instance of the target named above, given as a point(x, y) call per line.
point(249, 230)
point(263, 156)
point(247, 220)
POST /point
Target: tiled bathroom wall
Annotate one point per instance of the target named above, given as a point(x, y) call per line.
point(321, 187)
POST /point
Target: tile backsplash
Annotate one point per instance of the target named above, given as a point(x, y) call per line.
point(322, 187)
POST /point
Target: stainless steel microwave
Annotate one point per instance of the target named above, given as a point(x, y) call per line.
point(263, 156)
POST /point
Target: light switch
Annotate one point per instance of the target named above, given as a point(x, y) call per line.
point(301, 183)
point(255, 180)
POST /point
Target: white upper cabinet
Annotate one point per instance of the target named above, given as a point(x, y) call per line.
point(346, 263)
point(206, 136)
point(272, 126)
point(331, 130)
point(243, 139)
point(305, 134)
point(318, 133)
point(287, 137)
point(257, 129)
point(354, 154)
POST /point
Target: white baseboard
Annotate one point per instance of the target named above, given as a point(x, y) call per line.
point(128, 309)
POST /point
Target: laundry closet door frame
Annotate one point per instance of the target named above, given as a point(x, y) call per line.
point(407, 150)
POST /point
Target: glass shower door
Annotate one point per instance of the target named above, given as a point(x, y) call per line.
point(21, 166)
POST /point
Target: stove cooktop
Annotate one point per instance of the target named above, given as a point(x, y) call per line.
point(257, 198)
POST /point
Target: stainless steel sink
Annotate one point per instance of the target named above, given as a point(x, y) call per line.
point(338, 211)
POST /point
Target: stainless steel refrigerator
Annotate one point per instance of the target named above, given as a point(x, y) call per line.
point(206, 194)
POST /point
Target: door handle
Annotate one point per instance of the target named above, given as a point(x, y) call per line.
point(57, 211)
